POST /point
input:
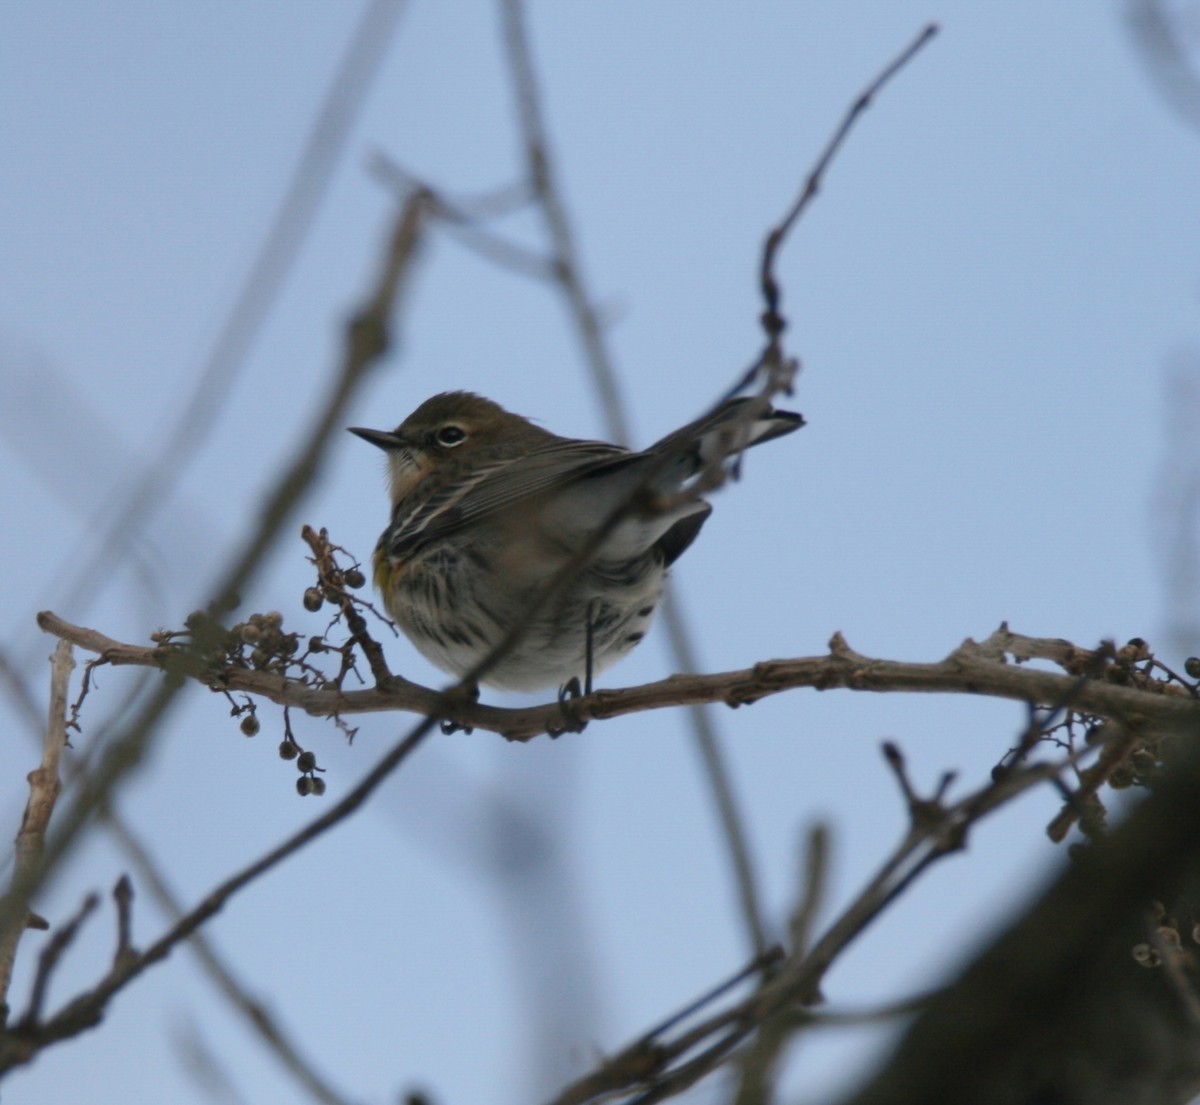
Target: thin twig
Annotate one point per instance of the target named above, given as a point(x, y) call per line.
point(773, 321)
point(123, 896)
point(293, 1057)
point(759, 964)
point(48, 960)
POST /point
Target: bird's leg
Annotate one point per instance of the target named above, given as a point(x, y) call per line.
point(587, 646)
point(572, 690)
point(466, 693)
point(569, 694)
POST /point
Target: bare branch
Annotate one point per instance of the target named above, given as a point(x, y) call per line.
point(48, 960)
point(295, 1058)
point(973, 668)
point(661, 1068)
point(1058, 1007)
point(44, 787)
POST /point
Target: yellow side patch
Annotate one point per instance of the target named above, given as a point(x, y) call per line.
point(388, 572)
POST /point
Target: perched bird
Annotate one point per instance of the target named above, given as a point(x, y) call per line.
point(487, 507)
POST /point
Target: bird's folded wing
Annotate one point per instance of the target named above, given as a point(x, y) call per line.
point(497, 485)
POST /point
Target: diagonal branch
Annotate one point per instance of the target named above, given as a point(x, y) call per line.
point(367, 340)
point(661, 1066)
point(86, 1010)
point(306, 187)
point(773, 321)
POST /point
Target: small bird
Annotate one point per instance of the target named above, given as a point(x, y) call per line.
point(487, 507)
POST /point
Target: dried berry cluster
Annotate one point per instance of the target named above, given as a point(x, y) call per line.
point(306, 764)
point(208, 650)
point(1132, 665)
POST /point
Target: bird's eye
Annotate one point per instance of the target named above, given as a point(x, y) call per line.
point(451, 435)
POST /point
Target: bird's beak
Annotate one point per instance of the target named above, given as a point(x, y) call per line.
point(384, 439)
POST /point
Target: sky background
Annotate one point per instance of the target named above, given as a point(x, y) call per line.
point(990, 298)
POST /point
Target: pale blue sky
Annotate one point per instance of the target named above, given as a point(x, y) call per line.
point(984, 296)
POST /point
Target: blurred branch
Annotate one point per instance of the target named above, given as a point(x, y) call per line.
point(295, 1059)
point(306, 187)
point(20, 693)
point(464, 218)
point(1097, 681)
point(25, 1040)
point(1162, 50)
point(44, 787)
point(1176, 503)
point(759, 1063)
point(367, 340)
point(602, 372)
point(565, 263)
point(653, 1068)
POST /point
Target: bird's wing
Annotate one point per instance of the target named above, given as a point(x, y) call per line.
point(496, 485)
